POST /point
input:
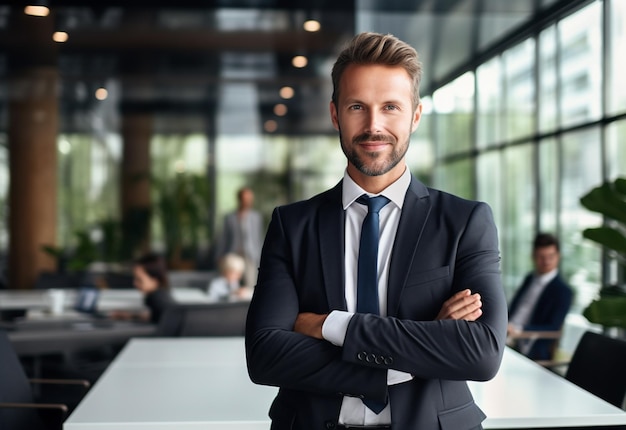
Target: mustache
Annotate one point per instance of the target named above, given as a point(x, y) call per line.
point(368, 137)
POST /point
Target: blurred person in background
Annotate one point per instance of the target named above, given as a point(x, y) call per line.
point(242, 234)
point(542, 301)
point(150, 277)
point(228, 285)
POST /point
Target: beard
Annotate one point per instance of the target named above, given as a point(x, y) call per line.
point(373, 163)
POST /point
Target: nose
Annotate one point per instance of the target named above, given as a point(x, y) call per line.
point(373, 122)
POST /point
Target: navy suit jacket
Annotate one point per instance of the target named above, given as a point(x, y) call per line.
point(444, 244)
point(548, 315)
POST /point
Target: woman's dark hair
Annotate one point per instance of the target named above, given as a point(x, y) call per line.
point(155, 266)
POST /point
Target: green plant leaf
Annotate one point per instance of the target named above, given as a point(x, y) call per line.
point(609, 311)
point(620, 186)
point(608, 200)
point(608, 237)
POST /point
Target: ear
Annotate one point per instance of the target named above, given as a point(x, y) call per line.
point(416, 118)
point(333, 115)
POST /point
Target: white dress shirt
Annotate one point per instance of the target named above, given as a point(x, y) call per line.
point(527, 304)
point(353, 411)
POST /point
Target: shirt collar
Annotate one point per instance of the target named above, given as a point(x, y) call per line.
point(547, 277)
point(394, 192)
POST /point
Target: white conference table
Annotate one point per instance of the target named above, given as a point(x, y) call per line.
point(37, 301)
point(202, 383)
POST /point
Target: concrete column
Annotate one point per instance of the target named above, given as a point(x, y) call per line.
point(33, 124)
point(135, 182)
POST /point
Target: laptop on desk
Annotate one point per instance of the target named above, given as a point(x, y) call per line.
point(87, 302)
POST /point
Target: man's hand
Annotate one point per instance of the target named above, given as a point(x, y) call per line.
point(462, 306)
point(310, 324)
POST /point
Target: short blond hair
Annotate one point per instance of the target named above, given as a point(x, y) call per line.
point(232, 262)
point(375, 48)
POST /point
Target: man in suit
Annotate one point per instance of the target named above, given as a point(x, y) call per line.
point(242, 234)
point(442, 313)
point(542, 301)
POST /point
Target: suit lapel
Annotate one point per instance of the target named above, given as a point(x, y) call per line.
point(331, 237)
point(415, 211)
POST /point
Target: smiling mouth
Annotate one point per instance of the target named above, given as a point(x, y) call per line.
point(373, 145)
point(372, 140)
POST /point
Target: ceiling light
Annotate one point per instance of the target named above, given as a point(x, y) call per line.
point(102, 93)
point(299, 61)
point(280, 109)
point(60, 36)
point(311, 25)
point(270, 126)
point(286, 92)
point(36, 10)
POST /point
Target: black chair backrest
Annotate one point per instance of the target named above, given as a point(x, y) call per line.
point(207, 319)
point(599, 366)
point(15, 388)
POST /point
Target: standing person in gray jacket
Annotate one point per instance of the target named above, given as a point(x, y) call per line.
point(242, 234)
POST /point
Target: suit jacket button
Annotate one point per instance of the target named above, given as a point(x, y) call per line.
point(329, 425)
point(371, 358)
point(379, 359)
point(362, 355)
point(388, 360)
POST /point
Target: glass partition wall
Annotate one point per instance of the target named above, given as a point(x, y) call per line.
point(550, 125)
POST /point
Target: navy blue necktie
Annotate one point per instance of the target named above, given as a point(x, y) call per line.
point(367, 277)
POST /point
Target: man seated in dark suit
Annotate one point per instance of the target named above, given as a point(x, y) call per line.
point(542, 301)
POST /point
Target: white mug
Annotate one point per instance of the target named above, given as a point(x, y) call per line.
point(56, 301)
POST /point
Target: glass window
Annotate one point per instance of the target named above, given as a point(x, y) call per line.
point(547, 80)
point(181, 195)
point(456, 178)
point(420, 157)
point(519, 90)
point(489, 183)
point(489, 103)
point(617, 60)
point(317, 164)
point(548, 185)
point(581, 167)
point(518, 207)
point(616, 149)
point(580, 69)
point(87, 184)
point(454, 107)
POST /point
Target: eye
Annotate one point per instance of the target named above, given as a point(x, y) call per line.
point(355, 107)
point(391, 107)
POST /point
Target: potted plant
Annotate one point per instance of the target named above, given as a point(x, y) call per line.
point(182, 205)
point(609, 200)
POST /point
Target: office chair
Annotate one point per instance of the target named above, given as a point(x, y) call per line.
point(19, 409)
point(598, 365)
point(206, 319)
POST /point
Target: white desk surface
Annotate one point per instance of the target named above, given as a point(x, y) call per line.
point(110, 299)
point(202, 383)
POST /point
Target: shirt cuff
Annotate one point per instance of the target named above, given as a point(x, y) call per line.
point(335, 327)
point(396, 377)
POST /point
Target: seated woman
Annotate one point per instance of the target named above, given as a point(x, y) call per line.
point(150, 277)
